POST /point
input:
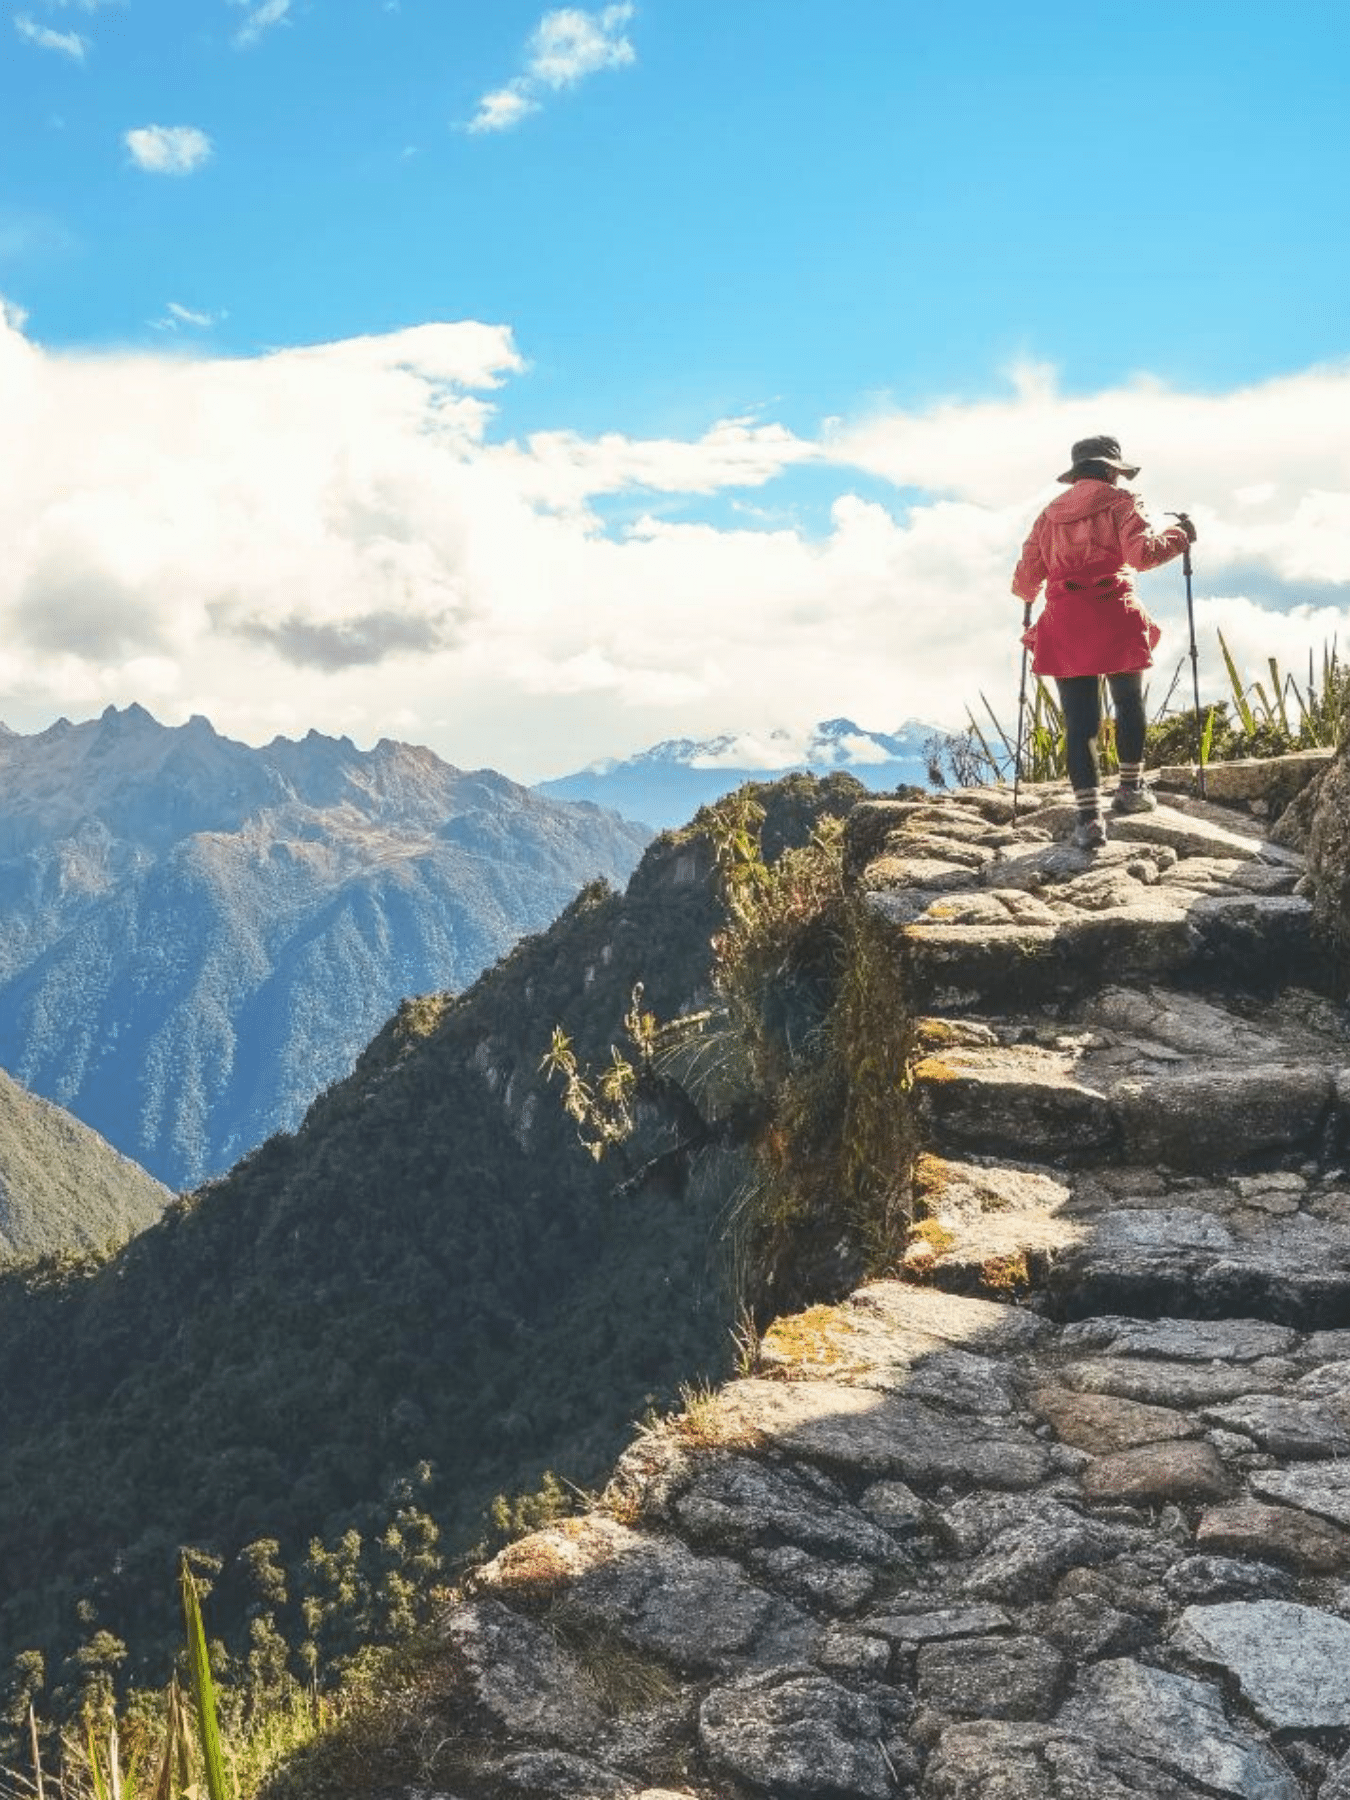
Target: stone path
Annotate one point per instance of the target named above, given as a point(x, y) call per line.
point(1066, 1514)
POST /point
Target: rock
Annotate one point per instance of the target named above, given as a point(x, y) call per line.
point(984, 1325)
point(882, 1434)
point(854, 1653)
point(696, 1612)
point(1157, 1473)
point(521, 1676)
point(910, 1629)
point(1330, 1382)
point(1322, 1488)
point(554, 1775)
point(1274, 778)
point(1085, 1628)
point(1101, 1422)
point(1329, 851)
point(1166, 1383)
point(897, 1509)
point(960, 1382)
point(1186, 1340)
point(929, 873)
point(1215, 1117)
point(1292, 1662)
point(991, 1678)
point(1023, 1544)
point(991, 1761)
point(1292, 1428)
point(734, 1503)
point(1164, 1228)
point(1204, 1578)
point(1178, 1724)
point(1189, 835)
point(805, 1737)
point(832, 1586)
point(1022, 1100)
point(1337, 1784)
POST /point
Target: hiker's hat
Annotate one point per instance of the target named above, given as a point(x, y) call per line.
point(1098, 450)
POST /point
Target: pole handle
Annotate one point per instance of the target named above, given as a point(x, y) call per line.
point(1183, 518)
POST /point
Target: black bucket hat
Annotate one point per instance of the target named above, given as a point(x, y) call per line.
point(1098, 450)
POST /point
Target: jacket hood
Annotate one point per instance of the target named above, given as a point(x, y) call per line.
point(1083, 499)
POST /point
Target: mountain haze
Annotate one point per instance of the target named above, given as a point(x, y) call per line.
point(197, 936)
point(665, 785)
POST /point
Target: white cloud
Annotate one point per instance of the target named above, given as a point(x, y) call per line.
point(168, 149)
point(262, 16)
point(566, 45)
point(569, 44)
point(502, 108)
point(68, 43)
point(338, 536)
point(175, 317)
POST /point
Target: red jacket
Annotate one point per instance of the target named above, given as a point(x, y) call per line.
point(1083, 547)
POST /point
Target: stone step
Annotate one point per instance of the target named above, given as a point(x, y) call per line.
point(1152, 1074)
point(993, 913)
point(1009, 952)
point(1134, 1240)
point(1061, 1105)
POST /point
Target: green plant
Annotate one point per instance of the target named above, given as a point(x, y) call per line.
point(1258, 719)
point(203, 1687)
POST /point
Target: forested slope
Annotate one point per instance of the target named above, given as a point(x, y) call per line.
point(430, 1291)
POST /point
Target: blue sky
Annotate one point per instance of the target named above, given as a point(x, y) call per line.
point(777, 211)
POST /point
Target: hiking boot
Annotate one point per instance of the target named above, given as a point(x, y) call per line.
point(1134, 800)
point(1090, 834)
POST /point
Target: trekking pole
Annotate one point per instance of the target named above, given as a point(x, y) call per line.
point(1184, 519)
point(1021, 710)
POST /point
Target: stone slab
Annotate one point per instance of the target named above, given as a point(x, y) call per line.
point(1101, 1423)
point(1282, 1533)
point(1156, 1474)
point(803, 1737)
point(1292, 1662)
point(1178, 1724)
point(1320, 1488)
point(882, 1434)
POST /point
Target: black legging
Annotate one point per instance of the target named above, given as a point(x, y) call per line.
point(1080, 696)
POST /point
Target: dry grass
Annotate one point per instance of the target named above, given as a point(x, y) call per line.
point(704, 1423)
point(620, 1678)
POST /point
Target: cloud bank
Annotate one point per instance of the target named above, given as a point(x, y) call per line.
point(337, 536)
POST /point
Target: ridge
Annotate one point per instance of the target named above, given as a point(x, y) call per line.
point(1061, 1507)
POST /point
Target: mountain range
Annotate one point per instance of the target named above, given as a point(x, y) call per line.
point(197, 936)
point(665, 785)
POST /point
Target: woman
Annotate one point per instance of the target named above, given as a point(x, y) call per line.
point(1083, 547)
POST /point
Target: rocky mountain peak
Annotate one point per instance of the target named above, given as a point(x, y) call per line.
point(198, 935)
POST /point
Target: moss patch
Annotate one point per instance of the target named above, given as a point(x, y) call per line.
point(813, 1336)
